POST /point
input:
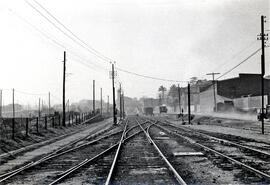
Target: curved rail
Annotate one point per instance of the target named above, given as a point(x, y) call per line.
point(116, 156)
point(177, 176)
point(55, 154)
point(86, 161)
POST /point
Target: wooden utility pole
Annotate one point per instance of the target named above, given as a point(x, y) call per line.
point(101, 101)
point(123, 106)
point(262, 37)
point(13, 105)
point(42, 105)
point(179, 98)
point(49, 103)
point(94, 108)
point(214, 89)
point(114, 111)
point(13, 115)
point(39, 107)
point(120, 101)
point(108, 104)
point(64, 91)
point(189, 116)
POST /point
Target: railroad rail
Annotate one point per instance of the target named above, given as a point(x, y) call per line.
point(71, 147)
point(177, 176)
point(117, 145)
point(26, 148)
point(219, 139)
point(198, 144)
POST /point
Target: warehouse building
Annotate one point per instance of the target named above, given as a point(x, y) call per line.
point(242, 93)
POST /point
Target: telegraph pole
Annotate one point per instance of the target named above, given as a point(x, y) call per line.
point(262, 37)
point(64, 91)
point(49, 103)
point(101, 101)
point(189, 116)
point(39, 107)
point(94, 108)
point(42, 105)
point(120, 101)
point(13, 115)
point(108, 104)
point(114, 111)
point(179, 98)
point(214, 89)
point(123, 106)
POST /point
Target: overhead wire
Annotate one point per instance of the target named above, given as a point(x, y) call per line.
point(58, 21)
point(62, 31)
point(106, 58)
point(149, 77)
point(235, 55)
point(74, 35)
point(56, 42)
point(243, 61)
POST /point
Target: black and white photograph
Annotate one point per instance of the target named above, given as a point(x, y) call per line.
point(134, 92)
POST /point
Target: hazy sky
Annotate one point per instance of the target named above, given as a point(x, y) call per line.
point(173, 39)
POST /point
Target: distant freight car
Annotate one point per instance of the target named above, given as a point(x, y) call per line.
point(163, 109)
point(148, 111)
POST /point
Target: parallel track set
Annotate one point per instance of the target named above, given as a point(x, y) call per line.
point(251, 159)
point(132, 152)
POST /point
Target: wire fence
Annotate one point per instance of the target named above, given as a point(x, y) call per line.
point(21, 127)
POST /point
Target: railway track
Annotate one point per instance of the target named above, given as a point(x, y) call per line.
point(254, 164)
point(45, 169)
point(143, 151)
point(152, 166)
point(101, 168)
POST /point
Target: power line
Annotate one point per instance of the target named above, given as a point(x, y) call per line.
point(120, 69)
point(57, 20)
point(62, 31)
point(235, 55)
point(102, 56)
point(150, 77)
point(239, 63)
point(56, 42)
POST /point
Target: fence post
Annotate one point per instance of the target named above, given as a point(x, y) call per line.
point(53, 124)
point(46, 122)
point(37, 124)
point(13, 128)
point(26, 127)
point(69, 120)
point(59, 120)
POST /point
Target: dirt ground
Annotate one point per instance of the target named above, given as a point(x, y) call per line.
point(237, 127)
point(26, 157)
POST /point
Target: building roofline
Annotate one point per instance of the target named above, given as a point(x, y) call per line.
point(241, 74)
